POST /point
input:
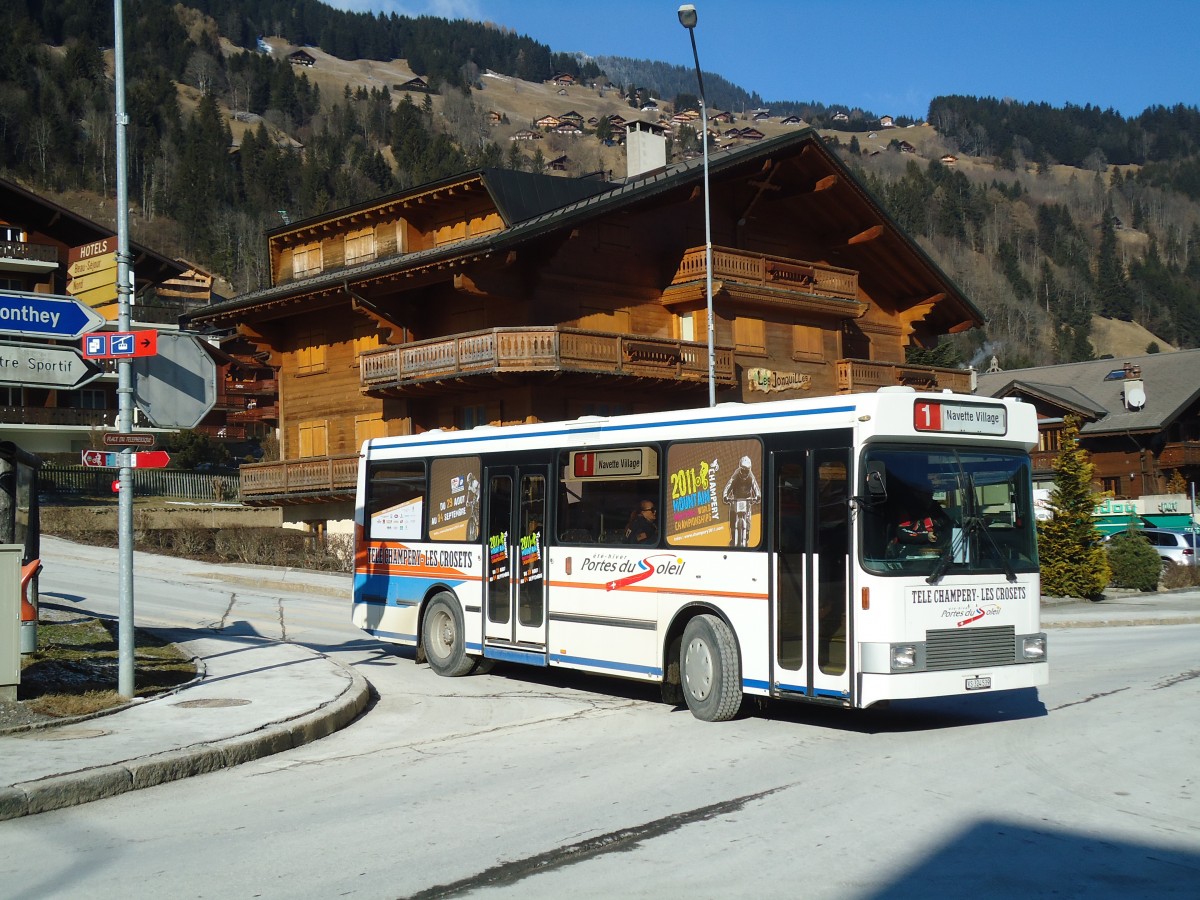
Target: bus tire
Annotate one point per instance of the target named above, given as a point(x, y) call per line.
point(442, 637)
point(710, 669)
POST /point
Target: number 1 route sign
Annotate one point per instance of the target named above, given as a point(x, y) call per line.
point(46, 316)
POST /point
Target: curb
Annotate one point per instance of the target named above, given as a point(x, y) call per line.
point(60, 791)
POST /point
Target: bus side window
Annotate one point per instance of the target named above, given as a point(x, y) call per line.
point(395, 500)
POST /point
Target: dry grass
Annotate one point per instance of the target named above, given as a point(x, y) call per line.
point(75, 668)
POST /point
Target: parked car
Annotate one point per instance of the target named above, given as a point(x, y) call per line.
point(1173, 547)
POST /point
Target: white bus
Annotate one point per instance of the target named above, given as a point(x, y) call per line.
point(844, 550)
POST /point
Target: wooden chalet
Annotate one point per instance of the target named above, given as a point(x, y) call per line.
point(497, 297)
point(302, 58)
point(548, 122)
point(1139, 417)
point(417, 84)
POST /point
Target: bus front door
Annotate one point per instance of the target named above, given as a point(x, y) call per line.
point(811, 557)
point(515, 596)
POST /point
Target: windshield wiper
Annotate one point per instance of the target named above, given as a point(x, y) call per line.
point(973, 524)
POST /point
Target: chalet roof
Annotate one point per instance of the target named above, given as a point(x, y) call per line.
point(868, 239)
point(1085, 388)
point(34, 212)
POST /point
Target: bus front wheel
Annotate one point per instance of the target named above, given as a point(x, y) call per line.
point(709, 669)
point(442, 637)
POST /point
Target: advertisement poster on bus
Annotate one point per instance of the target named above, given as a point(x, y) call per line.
point(454, 499)
point(714, 494)
point(399, 522)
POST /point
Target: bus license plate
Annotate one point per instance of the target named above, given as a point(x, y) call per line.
point(979, 684)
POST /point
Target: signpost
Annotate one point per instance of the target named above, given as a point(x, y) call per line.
point(120, 344)
point(93, 272)
point(177, 387)
point(106, 459)
point(45, 365)
point(46, 316)
point(128, 439)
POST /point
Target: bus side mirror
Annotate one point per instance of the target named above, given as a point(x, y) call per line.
point(876, 483)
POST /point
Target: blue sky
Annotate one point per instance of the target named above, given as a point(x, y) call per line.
point(887, 56)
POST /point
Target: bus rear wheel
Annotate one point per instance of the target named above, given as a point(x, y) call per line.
point(710, 669)
point(442, 637)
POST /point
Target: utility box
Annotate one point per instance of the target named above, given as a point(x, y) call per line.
point(10, 619)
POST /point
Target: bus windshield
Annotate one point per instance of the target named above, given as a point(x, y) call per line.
point(946, 511)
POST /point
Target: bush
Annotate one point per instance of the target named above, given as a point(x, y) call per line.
point(1134, 563)
point(1174, 576)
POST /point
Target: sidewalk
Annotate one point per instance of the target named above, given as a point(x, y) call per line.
point(255, 697)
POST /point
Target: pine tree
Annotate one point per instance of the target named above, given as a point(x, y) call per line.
point(1074, 563)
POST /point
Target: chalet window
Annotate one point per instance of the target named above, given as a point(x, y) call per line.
point(1112, 485)
point(368, 427)
point(749, 335)
point(808, 343)
point(306, 260)
point(470, 416)
point(91, 400)
point(314, 438)
point(10, 396)
point(310, 355)
point(689, 325)
point(366, 338)
point(1049, 440)
point(360, 246)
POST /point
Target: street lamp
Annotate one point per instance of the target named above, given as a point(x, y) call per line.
point(687, 18)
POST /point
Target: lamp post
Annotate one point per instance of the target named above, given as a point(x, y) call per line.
point(688, 18)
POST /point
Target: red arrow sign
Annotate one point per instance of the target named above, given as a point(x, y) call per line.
point(151, 459)
point(120, 344)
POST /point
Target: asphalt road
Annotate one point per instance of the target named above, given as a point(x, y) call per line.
point(535, 784)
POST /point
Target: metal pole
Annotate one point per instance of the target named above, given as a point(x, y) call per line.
point(126, 645)
point(708, 263)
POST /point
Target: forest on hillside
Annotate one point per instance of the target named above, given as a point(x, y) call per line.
point(1037, 251)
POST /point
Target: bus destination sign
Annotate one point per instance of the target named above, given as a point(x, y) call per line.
point(959, 418)
point(607, 463)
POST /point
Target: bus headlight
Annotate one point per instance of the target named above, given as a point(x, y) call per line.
point(1034, 647)
point(904, 656)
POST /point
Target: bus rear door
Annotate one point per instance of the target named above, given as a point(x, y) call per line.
point(515, 597)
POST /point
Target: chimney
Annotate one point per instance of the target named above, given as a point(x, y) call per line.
point(645, 148)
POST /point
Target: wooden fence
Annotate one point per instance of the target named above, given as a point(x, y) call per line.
point(75, 481)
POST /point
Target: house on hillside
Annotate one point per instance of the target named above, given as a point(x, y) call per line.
point(948, 159)
point(905, 147)
point(548, 122)
point(792, 120)
point(302, 58)
point(573, 117)
point(497, 296)
point(840, 116)
point(559, 163)
point(526, 134)
point(721, 118)
point(568, 128)
point(563, 79)
point(1139, 417)
point(887, 122)
point(418, 85)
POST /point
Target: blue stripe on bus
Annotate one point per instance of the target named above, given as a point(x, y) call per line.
point(471, 436)
point(606, 664)
point(373, 589)
point(519, 656)
point(818, 692)
point(393, 635)
point(755, 683)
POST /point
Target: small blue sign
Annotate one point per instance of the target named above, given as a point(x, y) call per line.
point(96, 345)
point(46, 315)
point(121, 344)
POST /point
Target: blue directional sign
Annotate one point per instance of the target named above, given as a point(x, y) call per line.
point(46, 316)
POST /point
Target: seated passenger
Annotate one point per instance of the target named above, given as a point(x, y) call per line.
point(643, 528)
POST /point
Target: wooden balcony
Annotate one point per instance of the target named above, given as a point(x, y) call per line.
point(858, 376)
point(40, 415)
point(253, 414)
point(1178, 454)
point(319, 478)
point(1043, 460)
point(757, 269)
point(549, 349)
point(227, 432)
point(20, 256)
point(249, 387)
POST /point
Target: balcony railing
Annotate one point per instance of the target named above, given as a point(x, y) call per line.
point(253, 414)
point(321, 474)
point(857, 376)
point(24, 252)
point(543, 350)
point(250, 386)
point(759, 269)
point(40, 415)
point(1179, 453)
